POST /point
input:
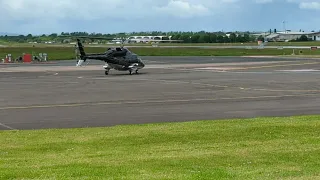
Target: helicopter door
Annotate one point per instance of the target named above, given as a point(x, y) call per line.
point(119, 52)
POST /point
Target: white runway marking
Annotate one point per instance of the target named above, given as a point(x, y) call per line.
point(3, 125)
point(300, 70)
point(41, 83)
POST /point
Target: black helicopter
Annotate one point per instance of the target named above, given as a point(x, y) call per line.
point(118, 58)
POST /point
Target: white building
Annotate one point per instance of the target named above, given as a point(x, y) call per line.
point(315, 36)
point(137, 39)
point(288, 35)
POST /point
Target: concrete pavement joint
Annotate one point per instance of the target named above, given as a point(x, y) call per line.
point(230, 68)
point(221, 86)
point(271, 66)
point(180, 82)
point(242, 88)
point(284, 90)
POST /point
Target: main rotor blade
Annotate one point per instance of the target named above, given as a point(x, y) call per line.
point(92, 37)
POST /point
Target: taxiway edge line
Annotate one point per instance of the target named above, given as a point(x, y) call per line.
point(8, 127)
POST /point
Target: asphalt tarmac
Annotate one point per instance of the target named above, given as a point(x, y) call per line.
point(169, 89)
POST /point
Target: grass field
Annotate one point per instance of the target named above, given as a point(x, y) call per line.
point(309, 43)
point(62, 53)
point(261, 148)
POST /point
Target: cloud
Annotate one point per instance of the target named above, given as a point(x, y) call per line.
point(310, 5)
point(307, 4)
point(263, 1)
point(63, 15)
point(98, 9)
point(181, 8)
point(126, 9)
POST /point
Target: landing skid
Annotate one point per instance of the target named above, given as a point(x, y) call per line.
point(107, 71)
point(107, 68)
point(130, 72)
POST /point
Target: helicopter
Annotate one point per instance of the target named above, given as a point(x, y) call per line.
point(118, 58)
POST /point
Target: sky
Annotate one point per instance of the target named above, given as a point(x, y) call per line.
point(113, 16)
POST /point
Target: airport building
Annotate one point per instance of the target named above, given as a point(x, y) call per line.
point(138, 39)
point(288, 35)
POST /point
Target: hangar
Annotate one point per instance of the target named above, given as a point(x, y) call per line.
point(288, 35)
point(315, 36)
point(147, 38)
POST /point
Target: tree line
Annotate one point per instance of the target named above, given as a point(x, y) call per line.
point(185, 37)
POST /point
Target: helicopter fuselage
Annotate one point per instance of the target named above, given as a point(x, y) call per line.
point(120, 59)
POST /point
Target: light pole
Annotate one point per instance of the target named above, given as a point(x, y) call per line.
point(284, 26)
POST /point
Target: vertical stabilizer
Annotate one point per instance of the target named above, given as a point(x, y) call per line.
point(82, 53)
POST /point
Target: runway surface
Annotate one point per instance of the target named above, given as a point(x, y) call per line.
point(169, 89)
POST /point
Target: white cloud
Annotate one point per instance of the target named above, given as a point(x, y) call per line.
point(307, 4)
point(130, 9)
point(95, 9)
point(181, 8)
point(49, 15)
point(263, 1)
point(310, 5)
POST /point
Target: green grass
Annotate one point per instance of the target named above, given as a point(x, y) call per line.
point(261, 148)
point(309, 43)
point(62, 53)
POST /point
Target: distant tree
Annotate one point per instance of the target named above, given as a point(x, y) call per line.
point(186, 38)
point(233, 37)
point(303, 38)
point(246, 37)
point(176, 37)
point(260, 38)
point(206, 38)
point(195, 38)
point(213, 37)
point(220, 39)
point(226, 39)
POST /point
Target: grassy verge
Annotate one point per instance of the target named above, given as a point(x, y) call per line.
point(261, 148)
point(60, 53)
